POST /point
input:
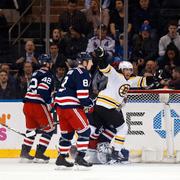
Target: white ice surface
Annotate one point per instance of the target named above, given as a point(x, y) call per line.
point(11, 169)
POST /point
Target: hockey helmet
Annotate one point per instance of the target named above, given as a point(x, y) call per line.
point(83, 56)
point(125, 65)
point(44, 59)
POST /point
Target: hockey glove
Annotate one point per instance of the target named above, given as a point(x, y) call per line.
point(99, 52)
point(101, 57)
point(90, 108)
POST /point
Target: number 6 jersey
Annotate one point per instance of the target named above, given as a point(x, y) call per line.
point(117, 87)
point(40, 87)
point(74, 91)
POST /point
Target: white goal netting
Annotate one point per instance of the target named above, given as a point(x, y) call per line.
point(153, 118)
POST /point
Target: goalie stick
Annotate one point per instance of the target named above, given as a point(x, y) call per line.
point(32, 133)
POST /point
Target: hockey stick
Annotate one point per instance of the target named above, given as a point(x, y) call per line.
point(14, 130)
point(32, 133)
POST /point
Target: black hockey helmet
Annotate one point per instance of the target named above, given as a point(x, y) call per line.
point(83, 56)
point(43, 59)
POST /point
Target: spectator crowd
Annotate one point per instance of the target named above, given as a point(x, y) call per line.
point(153, 44)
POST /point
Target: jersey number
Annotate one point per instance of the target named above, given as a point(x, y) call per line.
point(46, 80)
point(33, 86)
point(85, 83)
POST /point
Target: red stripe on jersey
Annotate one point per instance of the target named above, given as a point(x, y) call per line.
point(44, 141)
point(82, 145)
point(33, 95)
point(42, 85)
point(82, 94)
point(109, 134)
point(66, 100)
point(63, 150)
point(28, 142)
point(94, 136)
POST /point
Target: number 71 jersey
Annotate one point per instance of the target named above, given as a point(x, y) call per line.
point(40, 88)
point(74, 91)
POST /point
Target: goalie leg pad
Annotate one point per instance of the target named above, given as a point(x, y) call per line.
point(104, 152)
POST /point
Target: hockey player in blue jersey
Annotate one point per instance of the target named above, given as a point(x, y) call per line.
point(70, 101)
point(37, 112)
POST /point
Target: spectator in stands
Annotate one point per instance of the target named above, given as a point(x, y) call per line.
point(56, 36)
point(143, 47)
point(150, 69)
point(175, 82)
point(105, 4)
point(93, 16)
point(171, 36)
point(119, 51)
point(7, 89)
point(29, 55)
point(56, 57)
point(60, 72)
point(73, 43)
point(24, 79)
point(72, 16)
point(6, 67)
point(100, 39)
point(145, 13)
point(117, 19)
point(170, 60)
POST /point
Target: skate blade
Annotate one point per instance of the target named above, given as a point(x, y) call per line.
point(125, 162)
point(115, 162)
point(24, 160)
point(78, 167)
point(63, 168)
point(40, 161)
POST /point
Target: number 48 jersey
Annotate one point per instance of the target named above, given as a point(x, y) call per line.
point(74, 91)
point(40, 87)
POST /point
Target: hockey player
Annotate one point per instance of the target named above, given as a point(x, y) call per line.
point(37, 111)
point(70, 101)
point(108, 121)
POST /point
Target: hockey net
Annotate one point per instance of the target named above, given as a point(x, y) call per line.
point(153, 119)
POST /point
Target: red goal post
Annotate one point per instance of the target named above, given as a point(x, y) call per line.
point(157, 114)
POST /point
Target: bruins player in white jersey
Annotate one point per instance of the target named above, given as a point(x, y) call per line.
point(108, 122)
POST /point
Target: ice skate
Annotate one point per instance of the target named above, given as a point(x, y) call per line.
point(119, 157)
point(81, 161)
point(61, 162)
point(40, 157)
point(25, 156)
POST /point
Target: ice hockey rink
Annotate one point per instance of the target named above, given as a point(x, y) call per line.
point(12, 169)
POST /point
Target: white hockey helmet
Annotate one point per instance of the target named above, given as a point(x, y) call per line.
point(125, 65)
